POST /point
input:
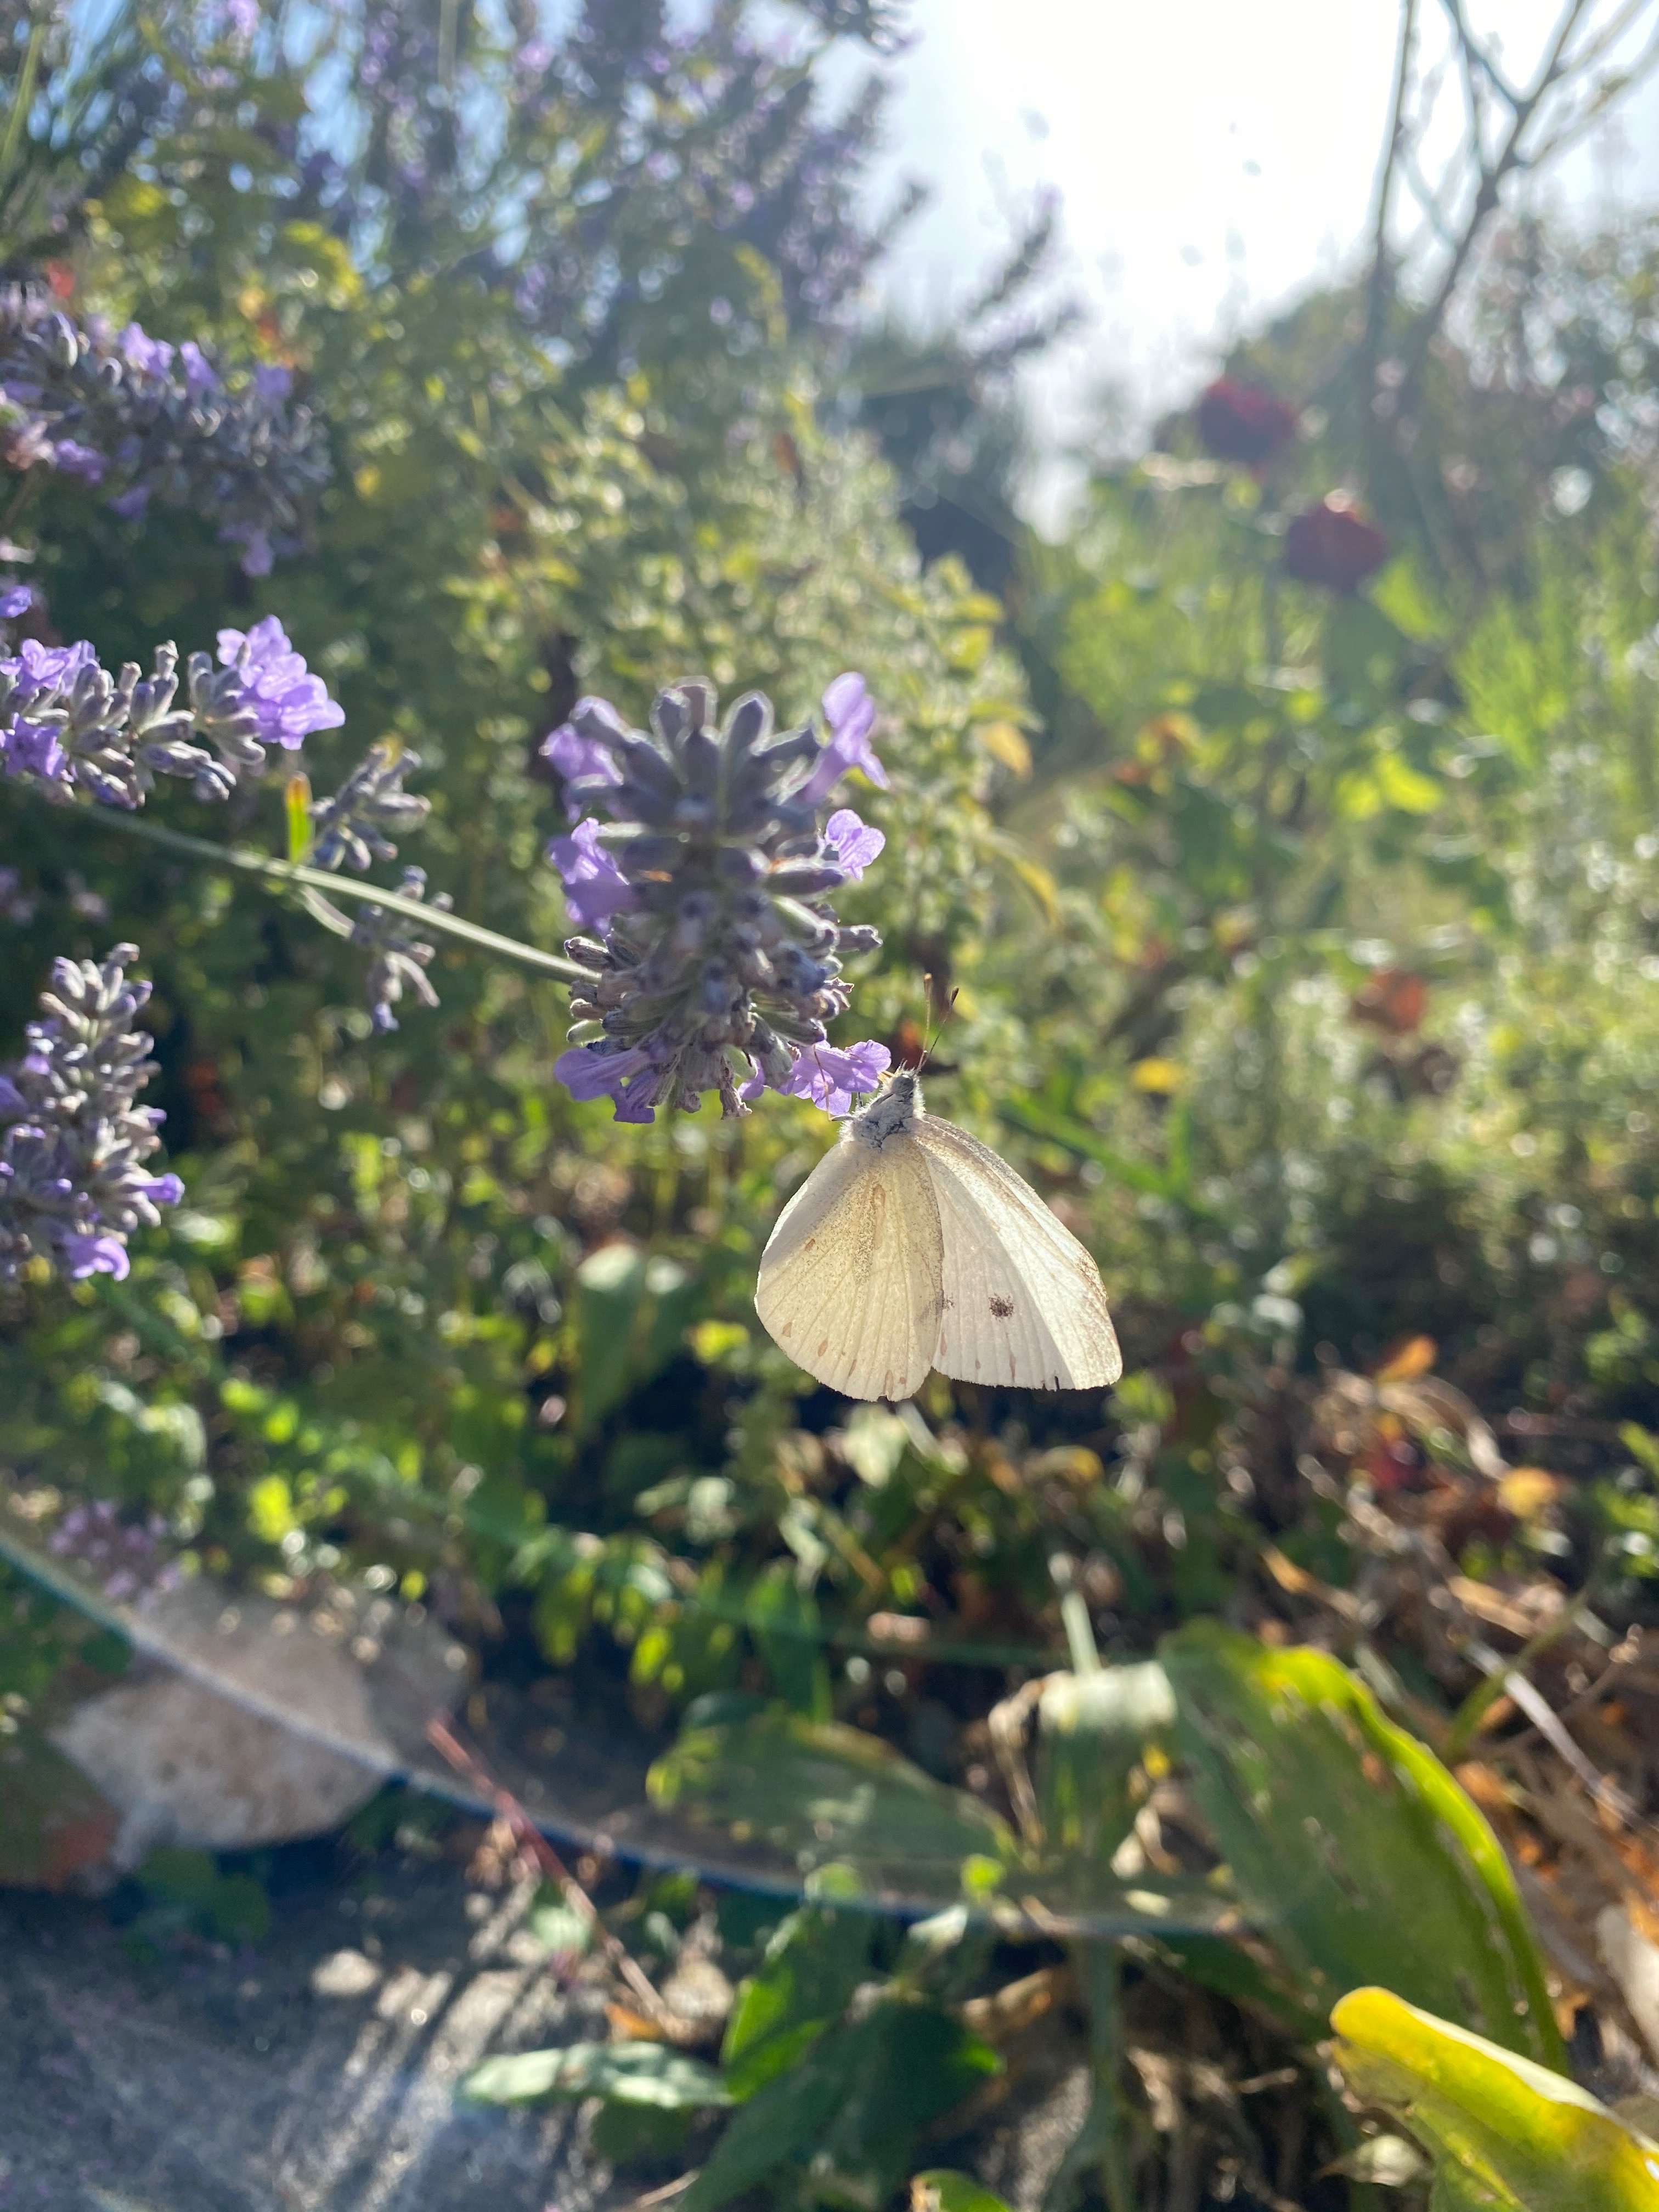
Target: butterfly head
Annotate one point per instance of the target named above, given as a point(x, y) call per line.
point(890, 1112)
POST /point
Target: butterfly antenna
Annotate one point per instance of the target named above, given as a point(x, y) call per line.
point(932, 1036)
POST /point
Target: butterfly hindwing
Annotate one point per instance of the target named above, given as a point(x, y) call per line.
point(1022, 1301)
point(849, 1281)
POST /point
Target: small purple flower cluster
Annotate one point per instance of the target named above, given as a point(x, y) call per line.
point(73, 1185)
point(71, 729)
point(128, 1561)
point(718, 955)
point(149, 421)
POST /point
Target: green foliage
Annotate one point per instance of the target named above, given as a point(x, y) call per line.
point(1365, 1860)
point(648, 2074)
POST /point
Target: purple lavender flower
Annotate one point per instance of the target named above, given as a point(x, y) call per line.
point(70, 456)
point(287, 702)
point(718, 956)
point(14, 599)
point(131, 505)
point(149, 356)
point(580, 750)
point(831, 1078)
point(125, 1559)
point(73, 1185)
point(595, 888)
point(856, 844)
point(850, 714)
point(31, 749)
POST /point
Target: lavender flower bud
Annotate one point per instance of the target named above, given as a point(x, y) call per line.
point(353, 826)
point(707, 886)
point(397, 960)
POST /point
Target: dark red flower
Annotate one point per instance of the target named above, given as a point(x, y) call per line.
point(1239, 421)
point(1334, 544)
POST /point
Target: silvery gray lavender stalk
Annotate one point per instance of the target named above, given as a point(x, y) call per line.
point(73, 731)
point(73, 1185)
point(147, 420)
point(717, 962)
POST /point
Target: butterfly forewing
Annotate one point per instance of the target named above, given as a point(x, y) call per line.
point(1023, 1301)
point(849, 1282)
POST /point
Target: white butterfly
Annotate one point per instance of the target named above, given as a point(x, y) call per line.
point(911, 1245)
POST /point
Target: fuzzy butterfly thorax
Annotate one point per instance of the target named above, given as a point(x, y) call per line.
point(892, 1113)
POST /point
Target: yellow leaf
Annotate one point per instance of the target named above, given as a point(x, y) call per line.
point(1004, 742)
point(1040, 884)
point(1415, 1357)
point(1159, 1076)
point(271, 1508)
point(1505, 2133)
point(1527, 1492)
point(712, 1340)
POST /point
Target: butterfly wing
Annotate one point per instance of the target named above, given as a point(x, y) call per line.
point(1024, 1304)
point(849, 1281)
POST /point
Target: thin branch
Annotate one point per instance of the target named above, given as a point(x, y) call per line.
point(1494, 174)
point(295, 875)
point(1381, 289)
point(1476, 54)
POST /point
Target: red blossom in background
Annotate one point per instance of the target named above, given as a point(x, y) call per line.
point(1247, 422)
point(1334, 544)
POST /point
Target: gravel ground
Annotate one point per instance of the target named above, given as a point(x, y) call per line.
point(316, 2073)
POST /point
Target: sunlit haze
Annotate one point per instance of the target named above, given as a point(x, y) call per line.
point(1213, 160)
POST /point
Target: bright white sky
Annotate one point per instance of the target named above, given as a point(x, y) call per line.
point(1214, 158)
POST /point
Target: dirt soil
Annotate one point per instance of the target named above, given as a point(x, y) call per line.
point(317, 2074)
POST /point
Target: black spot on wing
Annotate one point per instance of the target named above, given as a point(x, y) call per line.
point(1001, 1307)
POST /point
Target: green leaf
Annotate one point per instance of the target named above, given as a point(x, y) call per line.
point(631, 1316)
point(560, 1930)
point(813, 1964)
point(625, 2073)
point(939, 2190)
point(820, 1792)
point(1505, 2136)
point(855, 2102)
point(1365, 1861)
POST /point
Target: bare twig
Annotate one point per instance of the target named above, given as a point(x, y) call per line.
point(530, 1838)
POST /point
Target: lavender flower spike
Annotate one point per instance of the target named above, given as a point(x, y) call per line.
point(73, 1185)
point(717, 963)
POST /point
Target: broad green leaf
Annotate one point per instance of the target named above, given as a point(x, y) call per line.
point(1506, 2136)
point(821, 1791)
point(854, 2104)
point(1363, 1860)
point(628, 2073)
point(813, 1963)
